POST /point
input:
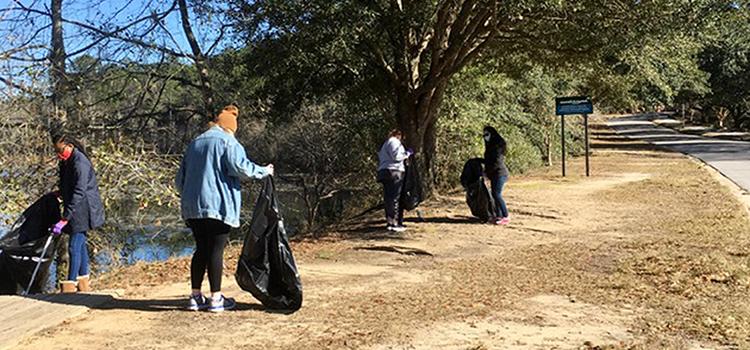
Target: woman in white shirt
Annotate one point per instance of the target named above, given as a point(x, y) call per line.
point(391, 174)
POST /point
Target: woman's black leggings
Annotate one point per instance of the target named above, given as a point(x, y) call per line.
point(210, 238)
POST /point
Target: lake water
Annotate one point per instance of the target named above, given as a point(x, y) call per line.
point(151, 244)
point(140, 246)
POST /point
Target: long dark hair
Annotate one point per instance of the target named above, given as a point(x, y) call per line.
point(67, 138)
point(496, 139)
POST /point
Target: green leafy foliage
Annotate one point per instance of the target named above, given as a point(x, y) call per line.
point(521, 109)
point(726, 59)
point(319, 83)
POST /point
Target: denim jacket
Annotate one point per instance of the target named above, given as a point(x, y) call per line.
point(209, 177)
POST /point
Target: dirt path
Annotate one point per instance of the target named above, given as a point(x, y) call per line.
point(649, 253)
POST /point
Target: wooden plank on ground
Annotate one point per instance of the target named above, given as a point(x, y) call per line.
point(21, 317)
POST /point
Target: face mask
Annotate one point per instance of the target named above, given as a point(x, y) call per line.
point(65, 154)
point(486, 137)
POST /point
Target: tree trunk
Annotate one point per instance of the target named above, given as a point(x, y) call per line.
point(417, 119)
point(429, 151)
point(57, 74)
point(200, 60)
point(548, 160)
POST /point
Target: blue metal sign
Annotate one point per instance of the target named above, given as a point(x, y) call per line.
point(573, 105)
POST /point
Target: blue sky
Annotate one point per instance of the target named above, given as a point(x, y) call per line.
point(28, 68)
point(106, 13)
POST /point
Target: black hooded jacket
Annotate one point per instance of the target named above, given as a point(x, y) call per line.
point(494, 154)
point(82, 204)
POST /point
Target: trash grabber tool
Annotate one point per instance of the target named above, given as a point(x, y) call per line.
point(39, 263)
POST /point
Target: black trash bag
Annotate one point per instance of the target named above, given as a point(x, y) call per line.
point(411, 192)
point(22, 246)
point(266, 268)
point(473, 170)
point(478, 196)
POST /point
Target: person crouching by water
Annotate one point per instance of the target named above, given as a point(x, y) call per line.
point(391, 174)
point(83, 210)
point(209, 186)
point(497, 172)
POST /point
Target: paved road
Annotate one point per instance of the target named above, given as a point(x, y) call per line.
point(731, 158)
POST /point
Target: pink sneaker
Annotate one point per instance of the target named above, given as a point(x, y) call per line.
point(504, 221)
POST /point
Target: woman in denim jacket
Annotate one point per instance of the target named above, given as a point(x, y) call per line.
point(209, 185)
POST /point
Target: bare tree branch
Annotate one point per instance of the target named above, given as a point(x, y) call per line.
point(222, 31)
point(383, 63)
point(19, 87)
point(198, 57)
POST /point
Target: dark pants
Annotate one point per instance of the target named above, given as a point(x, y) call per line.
point(210, 239)
point(79, 256)
point(497, 183)
point(393, 181)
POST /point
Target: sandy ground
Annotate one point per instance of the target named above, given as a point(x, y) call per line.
point(650, 252)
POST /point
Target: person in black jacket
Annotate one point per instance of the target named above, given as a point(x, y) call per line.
point(496, 171)
point(82, 208)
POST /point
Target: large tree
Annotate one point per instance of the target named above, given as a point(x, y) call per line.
point(726, 59)
point(416, 47)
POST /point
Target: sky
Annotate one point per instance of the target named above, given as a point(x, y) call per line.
point(29, 68)
point(101, 13)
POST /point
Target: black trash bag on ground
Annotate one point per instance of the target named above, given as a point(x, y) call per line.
point(266, 267)
point(411, 192)
point(22, 246)
point(478, 196)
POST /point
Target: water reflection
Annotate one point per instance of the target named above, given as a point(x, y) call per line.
point(149, 244)
point(138, 247)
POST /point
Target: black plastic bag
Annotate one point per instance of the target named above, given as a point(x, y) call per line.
point(473, 169)
point(266, 267)
point(478, 196)
point(480, 201)
point(411, 192)
point(22, 246)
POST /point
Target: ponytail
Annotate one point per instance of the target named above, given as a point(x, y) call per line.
point(502, 145)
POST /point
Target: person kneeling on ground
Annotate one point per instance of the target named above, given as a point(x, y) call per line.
point(209, 186)
point(391, 173)
point(82, 207)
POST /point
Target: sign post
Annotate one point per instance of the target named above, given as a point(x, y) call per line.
point(562, 141)
point(574, 105)
point(586, 137)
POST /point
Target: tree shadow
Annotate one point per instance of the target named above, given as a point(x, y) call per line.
point(628, 145)
point(370, 231)
point(460, 219)
point(375, 230)
point(650, 137)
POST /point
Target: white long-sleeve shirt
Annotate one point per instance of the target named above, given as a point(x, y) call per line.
point(392, 155)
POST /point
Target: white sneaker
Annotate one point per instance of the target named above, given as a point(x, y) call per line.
point(398, 228)
point(220, 304)
point(197, 303)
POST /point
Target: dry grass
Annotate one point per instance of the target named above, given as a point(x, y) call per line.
point(666, 240)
